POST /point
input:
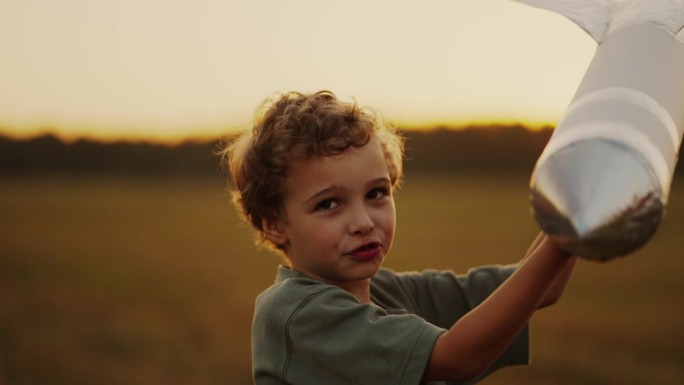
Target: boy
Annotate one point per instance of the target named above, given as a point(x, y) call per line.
point(315, 178)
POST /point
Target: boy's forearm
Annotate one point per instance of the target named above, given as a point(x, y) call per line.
point(482, 335)
point(558, 287)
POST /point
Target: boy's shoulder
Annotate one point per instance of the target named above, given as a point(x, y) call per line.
point(296, 313)
point(292, 289)
point(292, 284)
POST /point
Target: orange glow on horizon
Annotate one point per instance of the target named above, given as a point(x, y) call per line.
point(180, 135)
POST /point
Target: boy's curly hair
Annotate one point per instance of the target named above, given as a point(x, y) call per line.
point(295, 126)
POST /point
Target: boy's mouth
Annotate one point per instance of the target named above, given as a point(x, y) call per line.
point(367, 251)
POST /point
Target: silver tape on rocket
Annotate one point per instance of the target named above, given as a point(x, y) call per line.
point(601, 185)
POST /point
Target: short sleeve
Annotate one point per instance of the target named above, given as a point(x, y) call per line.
point(439, 296)
point(442, 297)
point(332, 339)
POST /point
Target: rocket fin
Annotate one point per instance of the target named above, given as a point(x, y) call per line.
point(599, 18)
point(593, 16)
point(665, 14)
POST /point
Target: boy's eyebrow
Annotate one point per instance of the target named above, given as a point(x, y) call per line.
point(337, 187)
point(382, 179)
point(325, 191)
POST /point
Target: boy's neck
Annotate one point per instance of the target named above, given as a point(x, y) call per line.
point(360, 290)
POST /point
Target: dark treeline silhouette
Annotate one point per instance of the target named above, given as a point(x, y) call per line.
point(50, 155)
point(476, 149)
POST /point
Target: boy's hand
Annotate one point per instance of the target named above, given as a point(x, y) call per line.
point(546, 247)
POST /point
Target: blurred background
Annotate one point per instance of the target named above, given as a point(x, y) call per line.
point(141, 272)
point(122, 259)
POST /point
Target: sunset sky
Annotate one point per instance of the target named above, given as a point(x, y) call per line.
point(171, 69)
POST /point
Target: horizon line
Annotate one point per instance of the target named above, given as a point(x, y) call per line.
point(208, 135)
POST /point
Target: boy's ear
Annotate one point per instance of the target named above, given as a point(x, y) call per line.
point(273, 231)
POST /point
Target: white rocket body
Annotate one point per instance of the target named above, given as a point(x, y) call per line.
point(601, 184)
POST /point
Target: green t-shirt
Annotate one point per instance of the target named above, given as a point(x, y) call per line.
point(308, 332)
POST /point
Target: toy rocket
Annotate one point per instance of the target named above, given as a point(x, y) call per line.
point(601, 185)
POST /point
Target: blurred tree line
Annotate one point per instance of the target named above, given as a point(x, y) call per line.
point(440, 150)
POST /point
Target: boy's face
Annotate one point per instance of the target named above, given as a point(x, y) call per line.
point(339, 215)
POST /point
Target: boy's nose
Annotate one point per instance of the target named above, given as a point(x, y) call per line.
point(360, 222)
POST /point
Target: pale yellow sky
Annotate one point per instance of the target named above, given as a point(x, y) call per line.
point(175, 69)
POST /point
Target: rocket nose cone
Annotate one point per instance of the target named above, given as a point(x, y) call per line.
point(598, 198)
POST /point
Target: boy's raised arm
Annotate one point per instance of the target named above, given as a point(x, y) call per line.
point(476, 340)
point(558, 287)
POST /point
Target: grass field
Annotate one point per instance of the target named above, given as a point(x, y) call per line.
point(152, 281)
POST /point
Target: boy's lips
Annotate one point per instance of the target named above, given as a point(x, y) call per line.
point(367, 251)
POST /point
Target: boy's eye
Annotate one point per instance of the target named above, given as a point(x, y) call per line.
point(326, 205)
point(377, 193)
